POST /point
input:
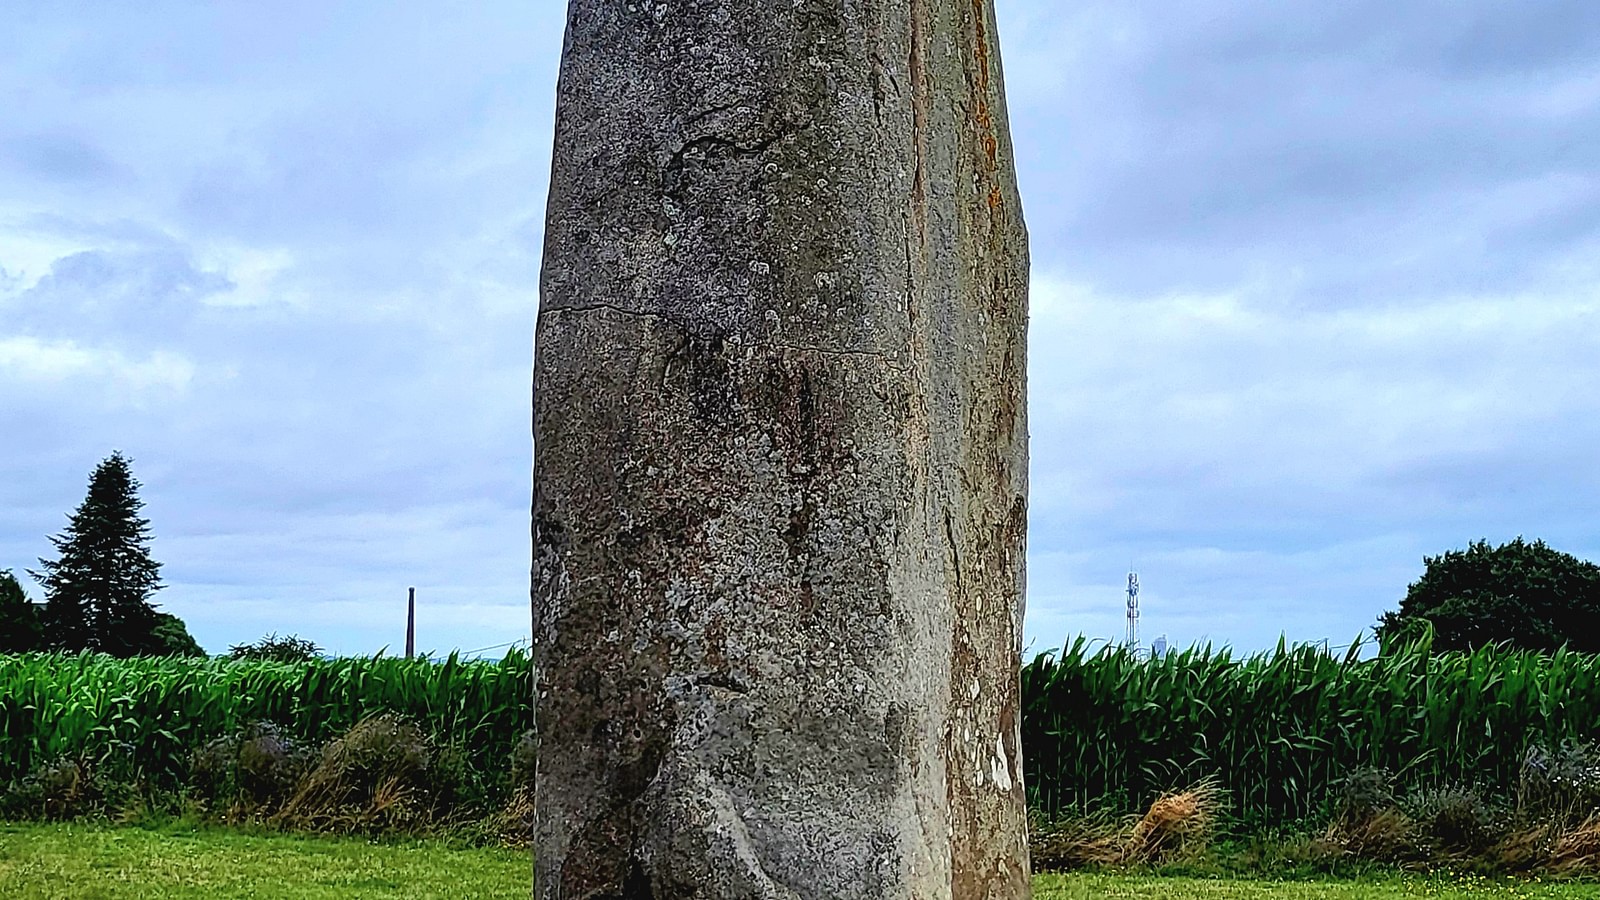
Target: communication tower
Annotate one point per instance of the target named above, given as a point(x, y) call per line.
point(1133, 613)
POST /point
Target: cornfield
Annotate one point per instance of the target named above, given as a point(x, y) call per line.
point(1102, 731)
point(154, 711)
point(1107, 730)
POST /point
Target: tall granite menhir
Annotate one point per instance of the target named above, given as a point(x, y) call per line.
point(780, 456)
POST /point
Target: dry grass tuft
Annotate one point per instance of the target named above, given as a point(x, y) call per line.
point(513, 824)
point(375, 778)
point(1577, 850)
point(1523, 850)
point(1385, 835)
point(1176, 824)
point(1390, 836)
point(1075, 843)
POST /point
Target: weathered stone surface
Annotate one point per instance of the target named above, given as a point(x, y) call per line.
point(781, 456)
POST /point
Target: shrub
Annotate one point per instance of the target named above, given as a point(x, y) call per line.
point(288, 649)
point(512, 825)
point(1368, 822)
point(1364, 792)
point(1459, 818)
point(253, 769)
point(1562, 785)
point(377, 777)
point(170, 637)
point(57, 790)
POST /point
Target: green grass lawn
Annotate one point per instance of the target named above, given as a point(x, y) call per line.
point(103, 861)
point(93, 861)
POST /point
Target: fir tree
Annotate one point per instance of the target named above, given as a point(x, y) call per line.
point(97, 592)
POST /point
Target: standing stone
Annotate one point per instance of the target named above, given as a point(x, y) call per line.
point(780, 473)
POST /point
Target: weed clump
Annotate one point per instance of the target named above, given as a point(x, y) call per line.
point(57, 790)
point(1368, 822)
point(1178, 825)
point(249, 772)
point(1459, 818)
point(1366, 791)
point(1560, 784)
point(512, 825)
point(377, 777)
point(524, 760)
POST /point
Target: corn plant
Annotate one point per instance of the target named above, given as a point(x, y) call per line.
point(1107, 730)
point(155, 711)
point(1101, 730)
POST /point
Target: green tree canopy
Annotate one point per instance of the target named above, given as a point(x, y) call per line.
point(20, 629)
point(1519, 592)
point(279, 649)
point(171, 637)
point(97, 591)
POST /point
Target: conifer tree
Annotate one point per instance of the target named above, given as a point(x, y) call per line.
point(97, 592)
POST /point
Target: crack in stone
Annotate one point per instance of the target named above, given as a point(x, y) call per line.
point(726, 681)
point(593, 307)
point(711, 111)
point(955, 552)
point(675, 163)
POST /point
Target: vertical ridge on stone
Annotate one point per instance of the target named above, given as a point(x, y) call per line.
point(781, 457)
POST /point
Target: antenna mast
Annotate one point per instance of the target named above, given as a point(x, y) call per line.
point(1133, 613)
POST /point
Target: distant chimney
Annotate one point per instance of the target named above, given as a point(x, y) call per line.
point(411, 622)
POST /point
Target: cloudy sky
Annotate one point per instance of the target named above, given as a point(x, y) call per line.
point(1315, 294)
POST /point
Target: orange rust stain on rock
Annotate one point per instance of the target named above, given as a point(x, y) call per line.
point(979, 16)
point(984, 119)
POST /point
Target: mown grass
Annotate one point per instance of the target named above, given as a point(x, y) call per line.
point(102, 861)
point(183, 861)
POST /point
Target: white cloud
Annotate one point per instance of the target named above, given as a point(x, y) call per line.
point(28, 252)
point(1316, 296)
point(60, 361)
point(257, 276)
point(1234, 443)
